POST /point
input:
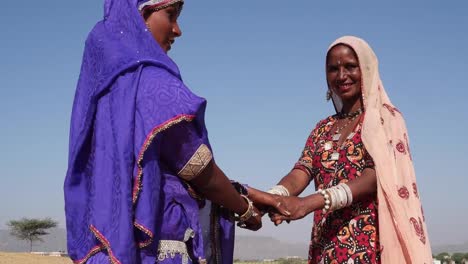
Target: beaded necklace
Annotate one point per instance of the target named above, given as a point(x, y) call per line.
point(342, 115)
point(351, 117)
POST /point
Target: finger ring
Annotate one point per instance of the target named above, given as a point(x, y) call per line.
point(243, 225)
point(254, 214)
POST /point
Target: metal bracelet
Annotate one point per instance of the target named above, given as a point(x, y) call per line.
point(249, 213)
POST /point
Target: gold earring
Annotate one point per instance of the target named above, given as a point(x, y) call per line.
point(329, 95)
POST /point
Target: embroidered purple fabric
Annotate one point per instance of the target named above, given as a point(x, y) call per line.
point(134, 125)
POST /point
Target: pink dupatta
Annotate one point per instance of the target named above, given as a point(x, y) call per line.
point(402, 229)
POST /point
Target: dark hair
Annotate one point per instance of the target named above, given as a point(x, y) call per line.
point(341, 44)
point(146, 12)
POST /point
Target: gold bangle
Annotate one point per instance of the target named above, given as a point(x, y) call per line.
point(245, 216)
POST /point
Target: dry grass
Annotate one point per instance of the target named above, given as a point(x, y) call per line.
point(27, 258)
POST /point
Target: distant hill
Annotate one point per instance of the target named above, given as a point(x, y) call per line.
point(246, 248)
point(256, 247)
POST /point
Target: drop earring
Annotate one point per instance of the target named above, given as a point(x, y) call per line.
point(329, 95)
point(148, 26)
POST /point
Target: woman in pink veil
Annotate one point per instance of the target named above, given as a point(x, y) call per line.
point(367, 206)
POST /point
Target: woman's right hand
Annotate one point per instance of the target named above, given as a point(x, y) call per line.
point(297, 207)
point(294, 205)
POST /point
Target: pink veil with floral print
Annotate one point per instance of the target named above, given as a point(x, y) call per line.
point(402, 229)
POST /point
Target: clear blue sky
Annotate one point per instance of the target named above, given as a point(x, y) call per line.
point(260, 64)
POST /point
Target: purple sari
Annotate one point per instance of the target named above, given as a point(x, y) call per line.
point(134, 128)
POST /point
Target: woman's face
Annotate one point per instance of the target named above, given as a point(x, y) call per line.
point(344, 73)
point(164, 27)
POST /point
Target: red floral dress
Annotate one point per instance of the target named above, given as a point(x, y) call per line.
point(348, 235)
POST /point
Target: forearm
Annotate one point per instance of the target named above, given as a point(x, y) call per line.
point(294, 208)
point(295, 181)
point(333, 198)
point(258, 196)
point(364, 186)
point(344, 194)
point(213, 184)
point(313, 202)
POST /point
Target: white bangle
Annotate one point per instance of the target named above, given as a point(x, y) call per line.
point(343, 196)
point(279, 190)
point(342, 199)
point(349, 193)
point(334, 198)
point(339, 197)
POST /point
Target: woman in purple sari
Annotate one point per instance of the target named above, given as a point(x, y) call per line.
point(141, 175)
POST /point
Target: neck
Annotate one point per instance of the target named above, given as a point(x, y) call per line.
point(349, 107)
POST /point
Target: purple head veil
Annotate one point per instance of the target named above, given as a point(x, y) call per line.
point(117, 43)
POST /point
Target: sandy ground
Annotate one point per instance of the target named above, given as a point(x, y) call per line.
point(27, 258)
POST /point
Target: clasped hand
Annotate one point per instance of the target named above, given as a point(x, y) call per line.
point(279, 208)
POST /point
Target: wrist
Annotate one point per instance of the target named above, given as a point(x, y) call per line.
point(314, 202)
point(244, 206)
point(252, 193)
point(279, 190)
point(247, 210)
point(336, 197)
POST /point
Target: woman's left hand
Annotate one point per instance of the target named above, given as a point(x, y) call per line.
point(296, 208)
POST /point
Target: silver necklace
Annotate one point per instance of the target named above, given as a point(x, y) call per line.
point(336, 137)
point(337, 134)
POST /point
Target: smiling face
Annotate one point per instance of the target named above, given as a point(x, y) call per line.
point(344, 74)
point(163, 25)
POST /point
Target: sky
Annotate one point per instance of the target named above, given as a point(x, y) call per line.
point(260, 65)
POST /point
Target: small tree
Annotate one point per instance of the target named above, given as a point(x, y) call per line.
point(30, 229)
point(457, 257)
point(291, 261)
point(443, 256)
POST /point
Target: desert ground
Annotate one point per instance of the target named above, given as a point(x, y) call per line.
point(28, 258)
